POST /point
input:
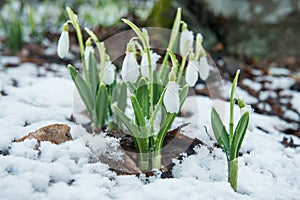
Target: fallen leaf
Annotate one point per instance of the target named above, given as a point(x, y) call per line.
point(55, 133)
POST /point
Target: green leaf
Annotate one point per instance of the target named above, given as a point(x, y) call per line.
point(175, 29)
point(183, 94)
point(239, 134)
point(219, 131)
point(82, 88)
point(138, 112)
point(93, 74)
point(142, 95)
point(101, 105)
point(164, 129)
point(122, 99)
point(133, 129)
point(157, 92)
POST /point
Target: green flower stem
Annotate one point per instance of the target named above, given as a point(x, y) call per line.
point(151, 95)
point(163, 69)
point(156, 159)
point(143, 161)
point(233, 173)
point(76, 26)
point(173, 37)
point(180, 72)
point(232, 101)
point(101, 50)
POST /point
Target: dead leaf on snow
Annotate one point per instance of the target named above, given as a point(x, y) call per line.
point(55, 133)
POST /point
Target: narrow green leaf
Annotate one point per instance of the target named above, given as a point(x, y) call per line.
point(133, 129)
point(138, 112)
point(122, 99)
point(82, 88)
point(101, 105)
point(142, 95)
point(93, 74)
point(157, 92)
point(219, 131)
point(239, 134)
point(164, 129)
point(183, 94)
point(175, 29)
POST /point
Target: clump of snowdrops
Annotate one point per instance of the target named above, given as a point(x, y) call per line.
point(156, 94)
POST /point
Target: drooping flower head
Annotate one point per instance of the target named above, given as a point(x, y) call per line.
point(109, 73)
point(154, 57)
point(171, 96)
point(130, 71)
point(186, 41)
point(191, 73)
point(204, 68)
point(63, 42)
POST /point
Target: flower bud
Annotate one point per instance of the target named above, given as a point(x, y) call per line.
point(63, 42)
point(204, 68)
point(130, 71)
point(186, 42)
point(108, 77)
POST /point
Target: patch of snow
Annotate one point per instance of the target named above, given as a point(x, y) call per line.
point(268, 170)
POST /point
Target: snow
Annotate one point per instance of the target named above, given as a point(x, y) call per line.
point(267, 169)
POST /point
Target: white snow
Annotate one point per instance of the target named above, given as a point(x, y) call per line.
point(267, 169)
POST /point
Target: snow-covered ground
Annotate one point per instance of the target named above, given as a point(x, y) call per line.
point(267, 169)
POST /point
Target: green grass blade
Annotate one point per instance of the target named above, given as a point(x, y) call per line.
point(239, 134)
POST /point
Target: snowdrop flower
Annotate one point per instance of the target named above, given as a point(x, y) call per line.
point(186, 41)
point(204, 68)
point(63, 42)
point(145, 64)
point(191, 74)
point(108, 73)
point(246, 108)
point(88, 50)
point(130, 71)
point(171, 97)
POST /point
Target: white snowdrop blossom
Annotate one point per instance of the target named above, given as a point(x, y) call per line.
point(171, 97)
point(130, 71)
point(247, 108)
point(191, 74)
point(88, 50)
point(145, 64)
point(63, 44)
point(108, 76)
point(186, 43)
point(204, 68)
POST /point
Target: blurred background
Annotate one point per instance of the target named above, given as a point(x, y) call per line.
point(238, 31)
